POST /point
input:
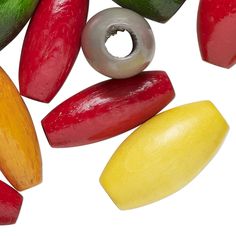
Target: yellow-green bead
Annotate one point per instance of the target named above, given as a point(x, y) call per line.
point(14, 14)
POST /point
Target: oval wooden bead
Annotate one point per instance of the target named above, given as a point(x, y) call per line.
point(107, 109)
point(20, 158)
point(14, 14)
point(10, 204)
point(51, 46)
point(164, 154)
point(157, 10)
point(217, 32)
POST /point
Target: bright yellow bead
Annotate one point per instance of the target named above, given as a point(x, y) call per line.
point(164, 154)
point(20, 158)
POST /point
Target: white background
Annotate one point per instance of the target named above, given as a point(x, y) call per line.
point(70, 201)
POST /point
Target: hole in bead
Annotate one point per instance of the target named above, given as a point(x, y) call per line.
point(120, 43)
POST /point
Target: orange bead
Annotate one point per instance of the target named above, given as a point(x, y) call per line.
point(20, 158)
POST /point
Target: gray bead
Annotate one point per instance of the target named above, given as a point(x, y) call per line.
point(107, 23)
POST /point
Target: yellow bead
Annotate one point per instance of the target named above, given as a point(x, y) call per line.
point(20, 159)
point(164, 154)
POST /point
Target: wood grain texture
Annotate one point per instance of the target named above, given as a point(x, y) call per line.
point(20, 158)
point(10, 204)
point(54, 34)
point(164, 154)
point(157, 10)
point(14, 14)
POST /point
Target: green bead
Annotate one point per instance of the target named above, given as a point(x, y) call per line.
point(157, 10)
point(14, 14)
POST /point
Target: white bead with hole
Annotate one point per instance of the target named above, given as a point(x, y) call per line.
point(106, 24)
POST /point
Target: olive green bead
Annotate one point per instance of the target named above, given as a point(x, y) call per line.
point(157, 10)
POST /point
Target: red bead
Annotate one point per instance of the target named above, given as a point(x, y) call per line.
point(51, 46)
point(217, 31)
point(108, 109)
point(10, 204)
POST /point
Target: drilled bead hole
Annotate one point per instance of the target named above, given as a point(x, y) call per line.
point(120, 44)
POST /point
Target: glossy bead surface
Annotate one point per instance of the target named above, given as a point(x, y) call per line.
point(14, 14)
point(51, 46)
point(10, 204)
point(107, 23)
point(157, 10)
point(217, 32)
point(20, 158)
point(107, 109)
point(164, 154)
